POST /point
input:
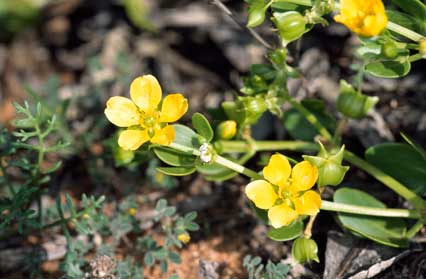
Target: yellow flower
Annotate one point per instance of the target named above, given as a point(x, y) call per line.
point(184, 238)
point(285, 192)
point(141, 114)
point(366, 18)
point(131, 211)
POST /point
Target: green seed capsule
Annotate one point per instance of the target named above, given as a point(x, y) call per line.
point(353, 103)
point(305, 250)
point(330, 169)
point(291, 25)
point(389, 50)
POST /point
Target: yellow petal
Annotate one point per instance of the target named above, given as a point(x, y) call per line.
point(366, 18)
point(174, 107)
point(278, 170)
point(261, 193)
point(146, 92)
point(122, 112)
point(304, 176)
point(132, 139)
point(308, 204)
point(164, 136)
point(281, 215)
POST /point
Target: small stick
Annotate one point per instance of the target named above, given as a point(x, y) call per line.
point(256, 35)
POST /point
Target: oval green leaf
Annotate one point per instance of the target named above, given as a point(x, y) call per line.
point(402, 162)
point(287, 233)
point(176, 171)
point(388, 69)
point(202, 126)
point(173, 157)
point(387, 231)
point(186, 136)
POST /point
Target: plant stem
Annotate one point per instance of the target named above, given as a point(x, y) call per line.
point(256, 35)
point(220, 160)
point(372, 211)
point(298, 2)
point(326, 205)
point(401, 30)
point(242, 146)
point(414, 229)
point(6, 178)
point(415, 57)
point(311, 118)
point(389, 181)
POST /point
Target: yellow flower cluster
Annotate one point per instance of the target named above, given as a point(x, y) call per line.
point(285, 192)
point(141, 114)
point(366, 18)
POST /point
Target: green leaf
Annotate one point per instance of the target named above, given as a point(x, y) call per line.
point(186, 136)
point(261, 214)
point(415, 145)
point(387, 231)
point(202, 126)
point(176, 171)
point(388, 69)
point(299, 128)
point(149, 259)
point(173, 157)
point(290, 232)
point(413, 7)
point(174, 257)
point(402, 162)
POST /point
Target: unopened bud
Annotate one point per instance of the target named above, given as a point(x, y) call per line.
point(227, 129)
point(184, 238)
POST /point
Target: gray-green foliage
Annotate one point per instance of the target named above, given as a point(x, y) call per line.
point(256, 270)
point(25, 151)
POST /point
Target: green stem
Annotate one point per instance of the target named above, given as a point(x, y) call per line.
point(401, 30)
point(311, 118)
point(298, 2)
point(414, 229)
point(242, 146)
point(326, 205)
point(392, 183)
point(373, 211)
point(220, 160)
point(415, 57)
point(6, 179)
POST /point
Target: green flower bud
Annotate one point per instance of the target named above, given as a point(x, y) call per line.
point(389, 49)
point(227, 129)
point(121, 156)
point(330, 169)
point(253, 108)
point(352, 103)
point(256, 16)
point(305, 250)
point(291, 25)
point(422, 47)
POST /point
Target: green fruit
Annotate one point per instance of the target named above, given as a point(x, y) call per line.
point(291, 25)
